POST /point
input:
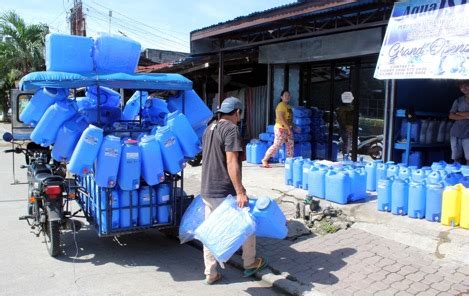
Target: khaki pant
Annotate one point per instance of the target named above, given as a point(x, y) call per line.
point(249, 247)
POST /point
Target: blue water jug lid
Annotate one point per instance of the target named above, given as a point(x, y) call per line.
point(262, 203)
point(130, 141)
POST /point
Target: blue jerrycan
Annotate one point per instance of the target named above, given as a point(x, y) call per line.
point(317, 181)
point(419, 175)
point(109, 198)
point(381, 171)
point(39, 103)
point(385, 194)
point(173, 158)
point(371, 168)
point(152, 161)
point(258, 152)
point(270, 220)
point(133, 105)
point(417, 199)
point(289, 170)
point(249, 151)
point(107, 96)
point(107, 162)
point(128, 208)
point(86, 151)
point(162, 213)
point(186, 136)
point(67, 138)
point(434, 195)
point(115, 53)
point(147, 197)
point(305, 179)
point(452, 178)
point(155, 111)
point(338, 186)
point(130, 166)
point(393, 171)
point(404, 173)
point(195, 109)
point(46, 130)
point(298, 172)
point(358, 184)
point(400, 195)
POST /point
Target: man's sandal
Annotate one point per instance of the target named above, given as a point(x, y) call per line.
point(211, 281)
point(262, 263)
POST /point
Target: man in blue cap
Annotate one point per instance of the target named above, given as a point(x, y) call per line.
point(221, 177)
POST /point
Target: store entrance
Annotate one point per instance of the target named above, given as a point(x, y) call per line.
point(352, 127)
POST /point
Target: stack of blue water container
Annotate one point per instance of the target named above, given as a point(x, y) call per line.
point(416, 192)
point(124, 172)
point(341, 184)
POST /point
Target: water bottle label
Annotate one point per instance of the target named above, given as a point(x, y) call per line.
point(170, 142)
point(91, 140)
point(110, 152)
point(165, 198)
point(132, 155)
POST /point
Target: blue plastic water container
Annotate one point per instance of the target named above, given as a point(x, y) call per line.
point(282, 154)
point(289, 170)
point(417, 199)
point(128, 203)
point(454, 167)
point(163, 195)
point(270, 220)
point(249, 151)
point(115, 53)
point(404, 173)
point(305, 178)
point(107, 162)
point(358, 184)
point(371, 168)
point(304, 137)
point(301, 121)
point(186, 136)
point(130, 166)
point(147, 197)
point(464, 181)
point(415, 158)
point(303, 129)
point(400, 195)
point(302, 112)
point(427, 170)
point(152, 160)
point(320, 151)
point(440, 165)
point(173, 158)
point(134, 104)
point(434, 195)
point(393, 171)
point(109, 198)
point(196, 110)
point(107, 115)
point(384, 190)
point(381, 172)
point(67, 138)
point(306, 150)
point(258, 152)
point(465, 170)
point(419, 175)
point(39, 103)
point(86, 151)
point(338, 186)
point(266, 137)
point(317, 181)
point(270, 128)
point(47, 128)
point(155, 111)
point(107, 96)
point(298, 172)
point(69, 53)
point(452, 178)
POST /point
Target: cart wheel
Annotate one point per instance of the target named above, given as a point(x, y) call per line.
point(52, 237)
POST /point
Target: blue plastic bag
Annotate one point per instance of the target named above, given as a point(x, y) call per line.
point(193, 217)
point(226, 229)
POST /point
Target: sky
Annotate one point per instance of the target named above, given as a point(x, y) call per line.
point(157, 24)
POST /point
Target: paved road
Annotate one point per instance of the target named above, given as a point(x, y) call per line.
point(142, 264)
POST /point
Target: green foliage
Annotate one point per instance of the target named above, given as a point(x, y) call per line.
point(328, 227)
point(21, 54)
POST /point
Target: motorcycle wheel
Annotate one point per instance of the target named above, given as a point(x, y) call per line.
point(52, 237)
point(376, 151)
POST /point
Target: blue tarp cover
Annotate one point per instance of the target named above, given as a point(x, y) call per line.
point(56, 79)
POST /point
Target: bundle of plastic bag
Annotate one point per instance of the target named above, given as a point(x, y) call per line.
point(226, 229)
point(192, 219)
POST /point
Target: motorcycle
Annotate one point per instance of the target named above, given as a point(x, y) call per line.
point(47, 192)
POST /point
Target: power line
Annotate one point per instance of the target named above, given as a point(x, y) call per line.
point(137, 21)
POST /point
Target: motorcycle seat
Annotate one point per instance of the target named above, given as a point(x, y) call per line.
point(47, 177)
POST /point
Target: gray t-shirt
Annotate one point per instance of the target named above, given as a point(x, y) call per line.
point(219, 137)
point(460, 128)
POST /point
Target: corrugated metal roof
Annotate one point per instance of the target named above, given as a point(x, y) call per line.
point(340, 5)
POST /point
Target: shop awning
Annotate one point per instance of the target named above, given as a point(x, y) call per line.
point(426, 39)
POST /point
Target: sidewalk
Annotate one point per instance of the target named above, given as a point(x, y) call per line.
point(381, 254)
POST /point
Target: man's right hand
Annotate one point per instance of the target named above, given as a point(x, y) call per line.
point(242, 200)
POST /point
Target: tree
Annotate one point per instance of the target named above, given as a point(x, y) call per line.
point(20, 54)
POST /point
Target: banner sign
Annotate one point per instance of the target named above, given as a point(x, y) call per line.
point(426, 39)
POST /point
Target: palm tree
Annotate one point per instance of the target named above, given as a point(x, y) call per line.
point(22, 53)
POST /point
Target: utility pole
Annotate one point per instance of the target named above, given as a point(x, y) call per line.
point(110, 17)
point(77, 19)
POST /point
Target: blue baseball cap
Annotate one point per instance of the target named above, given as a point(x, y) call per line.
point(229, 105)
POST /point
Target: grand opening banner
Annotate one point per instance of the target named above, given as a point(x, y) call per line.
point(426, 39)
